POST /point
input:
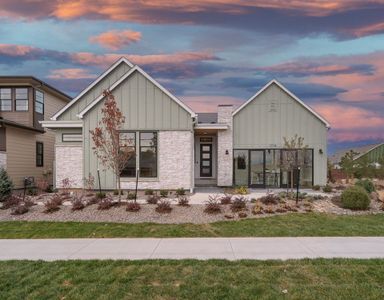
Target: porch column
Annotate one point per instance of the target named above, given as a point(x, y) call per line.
point(225, 146)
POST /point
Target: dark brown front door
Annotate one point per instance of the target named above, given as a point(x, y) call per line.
point(205, 160)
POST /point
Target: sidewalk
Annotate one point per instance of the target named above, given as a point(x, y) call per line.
point(193, 248)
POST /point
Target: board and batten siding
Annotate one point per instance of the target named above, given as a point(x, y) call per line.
point(93, 93)
point(273, 115)
point(146, 108)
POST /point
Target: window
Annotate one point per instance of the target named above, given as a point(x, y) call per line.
point(148, 154)
point(39, 154)
point(39, 102)
point(128, 143)
point(5, 99)
point(21, 99)
point(72, 137)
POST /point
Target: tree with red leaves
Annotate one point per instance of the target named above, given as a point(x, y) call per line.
point(106, 138)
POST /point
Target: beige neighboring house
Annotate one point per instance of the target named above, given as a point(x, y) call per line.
point(26, 149)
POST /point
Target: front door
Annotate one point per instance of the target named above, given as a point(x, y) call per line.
point(205, 160)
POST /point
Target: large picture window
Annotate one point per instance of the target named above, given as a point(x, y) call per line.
point(5, 99)
point(128, 143)
point(148, 154)
point(39, 102)
point(21, 95)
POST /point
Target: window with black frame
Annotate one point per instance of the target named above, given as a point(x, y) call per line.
point(148, 154)
point(39, 102)
point(39, 154)
point(128, 143)
point(21, 95)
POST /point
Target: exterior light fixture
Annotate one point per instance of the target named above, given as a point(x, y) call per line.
point(321, 151)
point(226, 152)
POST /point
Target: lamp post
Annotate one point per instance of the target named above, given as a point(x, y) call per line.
point(297, 185)
point(98, 176)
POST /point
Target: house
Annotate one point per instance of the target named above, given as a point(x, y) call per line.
point(177, 147)
point(372, 153)
point(26, 149)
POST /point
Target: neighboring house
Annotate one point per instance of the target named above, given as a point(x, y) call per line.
point(26, 150)
point(177, 147)
point(373, 154)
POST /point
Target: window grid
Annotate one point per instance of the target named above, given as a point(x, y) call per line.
point(39, 154)
point(39, 102)
point(21, 96)
point(5, 99)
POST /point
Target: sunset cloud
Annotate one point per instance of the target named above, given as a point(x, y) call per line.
point(70, 73)
point(116, 39)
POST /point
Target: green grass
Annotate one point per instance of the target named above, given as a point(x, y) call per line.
point(189, 279)
point(285, 225)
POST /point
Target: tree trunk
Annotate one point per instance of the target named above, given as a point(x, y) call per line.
point(119, 187)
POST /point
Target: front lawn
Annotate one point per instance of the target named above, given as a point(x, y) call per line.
point(311, 224)
point(190, 279)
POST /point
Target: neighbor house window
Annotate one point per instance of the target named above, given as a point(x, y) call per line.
point(21, 99)
point(148, 154)
point(6, 99)
point(39, 154)
point(39, 102)
point(128, 143)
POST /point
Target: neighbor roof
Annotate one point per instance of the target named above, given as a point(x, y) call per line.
point(336, 158)
point(208, 118)
point(274, 81)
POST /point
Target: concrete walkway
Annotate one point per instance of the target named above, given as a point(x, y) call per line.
point(194, 248)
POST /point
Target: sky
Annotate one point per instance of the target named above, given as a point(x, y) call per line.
point(209, 52)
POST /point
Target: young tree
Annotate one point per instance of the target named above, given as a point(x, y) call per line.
point(347, 163)
point(293, 156)
point(6, 185)
point(106, 138)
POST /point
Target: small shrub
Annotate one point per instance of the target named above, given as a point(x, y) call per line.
point(212, 206)
point(242, 214)
point(105, 204)
point(182, 200)
point(241, 190)
point(115, 192)
point(101, 195)
point(20, 210)
point(131, 196)
point(78, 204)
point(269, 210)
point(163, 206)
point(31, 191)
point(327, 189)
point(164, 193)
point(355, 198)
point(281, 208)
point(91, 200)
point(148, 192)
point(6, 185)
point(316, 187)
point(366, 184)
point(270, 199)
point(89, 183)
point(226, 199)
point(153, 199)
point(12, 201)
point(257, 208)
point(53, 204)
point(133, 206)
point(180, 192)
point(238, 204)
point(42, 185)
point(28, 202)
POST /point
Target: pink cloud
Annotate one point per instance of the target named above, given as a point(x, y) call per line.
point(116, 39)
point(15, 50)
point(367, 30)
point(70, 73)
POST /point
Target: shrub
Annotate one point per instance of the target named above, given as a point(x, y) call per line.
point(53, 204)
point(327, 189)
point(238, 204)
point(241, 190)
point(28, 202)
point(242, 215)
point(212, 206)
point(20, 210)
point(180, 192)
point(78, 204)
point(257, 208)
point(270, 199)
point(367, 185)
point(105, 204)
point(281, 208)
point(6, 185)
point(182, 200)
point(316, 187)
point(101, 195)
point(42, 185)
point(131, 196)
point(133, 206)
point(355, 198)
point(31, 191)
point(148, 192)
point(153, 199)
point(226, 199)
point(164, 193)
point(163, 206)
point(12, 201)
point(269, 210)
point(115, 192)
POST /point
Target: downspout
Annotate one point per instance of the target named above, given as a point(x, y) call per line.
point(194, 121)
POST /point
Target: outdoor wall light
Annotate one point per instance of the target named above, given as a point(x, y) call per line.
point(321, 151)
point(226, 152)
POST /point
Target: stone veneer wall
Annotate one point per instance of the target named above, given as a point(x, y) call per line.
point(175, 163)
point(69, 164)
point(3, 160)
point(225, 143)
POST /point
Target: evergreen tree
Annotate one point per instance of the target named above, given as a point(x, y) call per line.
point(6, 185)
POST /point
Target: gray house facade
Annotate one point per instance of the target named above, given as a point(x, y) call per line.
point(176, 147)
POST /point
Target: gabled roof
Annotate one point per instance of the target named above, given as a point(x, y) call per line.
point(97, 80)
point(274, 81)
point(125, 76)
point(361, 150)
